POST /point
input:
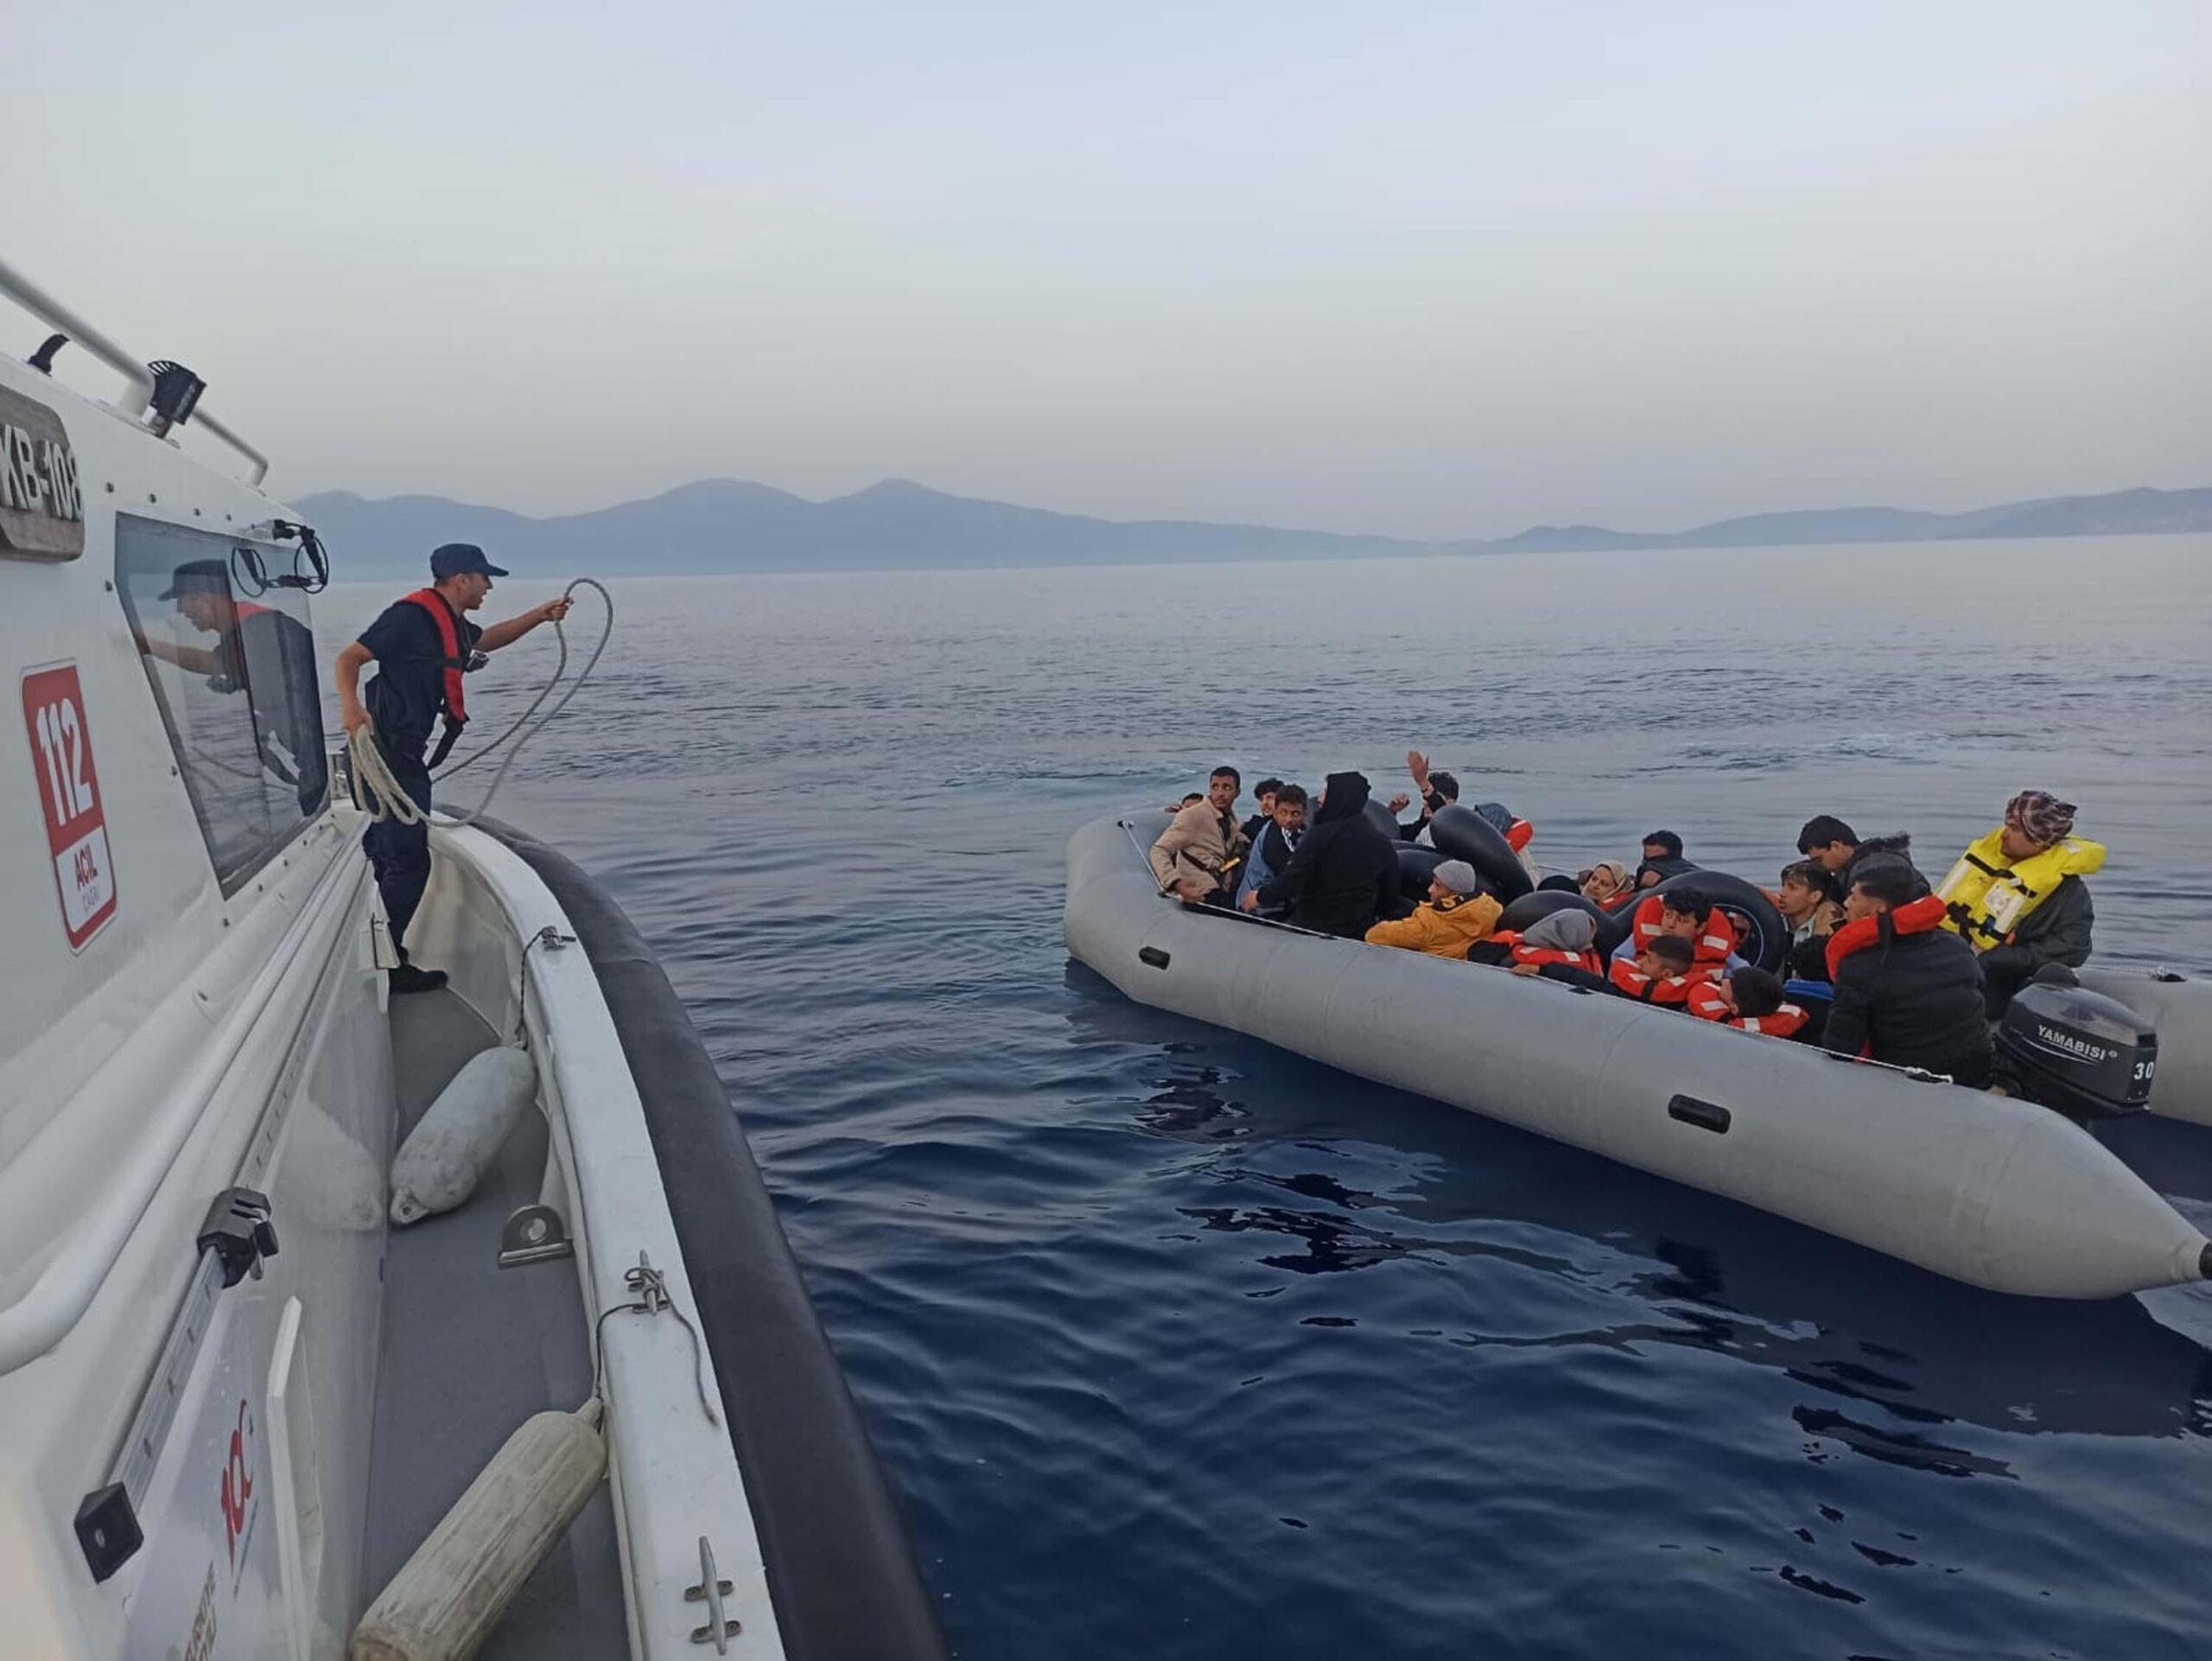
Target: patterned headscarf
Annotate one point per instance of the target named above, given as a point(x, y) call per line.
point(2040, 816)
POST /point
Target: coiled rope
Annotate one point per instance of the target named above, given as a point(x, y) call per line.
point(390, 801)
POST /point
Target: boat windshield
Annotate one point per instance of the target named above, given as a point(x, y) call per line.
point(234, 676)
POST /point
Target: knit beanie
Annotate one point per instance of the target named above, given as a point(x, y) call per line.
point(1457, 875)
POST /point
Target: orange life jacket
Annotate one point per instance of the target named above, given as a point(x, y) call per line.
point(1707, 1004)
point(1673, 992)
point(1919, 916)
point(1716, 935)
point(456, 713)
point(1540, 955)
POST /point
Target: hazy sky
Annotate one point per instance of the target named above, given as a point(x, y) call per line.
point(1434, 270)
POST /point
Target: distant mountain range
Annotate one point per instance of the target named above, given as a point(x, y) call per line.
point(727, 524)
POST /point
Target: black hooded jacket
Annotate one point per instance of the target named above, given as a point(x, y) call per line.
point(1874, 847)
point(1344, 875)
point(1667, 865)
point(1907, 992)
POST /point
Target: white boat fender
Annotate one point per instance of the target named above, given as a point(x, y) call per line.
point(448, 1598)
point(447, 1153)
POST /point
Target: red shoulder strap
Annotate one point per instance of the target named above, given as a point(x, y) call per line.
point(449, 640)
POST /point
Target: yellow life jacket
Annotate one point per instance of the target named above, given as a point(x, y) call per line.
point(1988, 895)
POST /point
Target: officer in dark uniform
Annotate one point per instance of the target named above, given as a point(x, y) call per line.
point(263, 653)
point(422, 645)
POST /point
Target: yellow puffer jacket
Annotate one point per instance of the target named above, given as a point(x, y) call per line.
point(1988, 895)
point(1442, 928)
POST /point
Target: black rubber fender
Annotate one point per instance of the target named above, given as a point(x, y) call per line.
point(1383, 819)
point(1767, 945)
point(1462, 833)
point(1416, 865)
point(1542, 902)
point(841, 1571)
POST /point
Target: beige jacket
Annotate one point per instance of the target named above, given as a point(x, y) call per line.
point(1192, 846)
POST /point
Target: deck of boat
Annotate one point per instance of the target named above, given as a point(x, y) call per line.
point(469, 1352)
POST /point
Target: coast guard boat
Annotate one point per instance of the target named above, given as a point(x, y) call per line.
point(585, 1409)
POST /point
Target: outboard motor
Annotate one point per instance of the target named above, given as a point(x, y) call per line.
point(2085, 1055)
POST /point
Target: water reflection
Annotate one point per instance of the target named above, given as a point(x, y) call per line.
point(1703, 1274)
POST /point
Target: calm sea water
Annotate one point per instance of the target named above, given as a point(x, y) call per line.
point(1176, 1346)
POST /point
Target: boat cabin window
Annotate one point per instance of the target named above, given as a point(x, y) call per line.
point(234, 675)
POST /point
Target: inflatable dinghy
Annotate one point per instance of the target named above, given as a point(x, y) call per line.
point(1988, 1189)
point(2180, 1007)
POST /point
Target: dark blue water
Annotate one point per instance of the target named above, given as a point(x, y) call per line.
point(1176, 1346)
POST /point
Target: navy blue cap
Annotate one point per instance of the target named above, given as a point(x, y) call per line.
point(455, 558)
point(197, 576)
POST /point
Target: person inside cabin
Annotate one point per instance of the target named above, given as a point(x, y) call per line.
point(2017, 895)
point(422, 645)
point(1690, 914)
point(1608, 883)
point(1278, 840)
point(1664, 972)
point(1662, 858)
point(1836, 848)
point(1907, 992)
point(1751, 1001)
point(264, 652)
point(1264, 794)
point(1456, 914)
point(1345, 875)
point(1197, 856)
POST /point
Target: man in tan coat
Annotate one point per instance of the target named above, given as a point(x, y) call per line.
point(1195, 856)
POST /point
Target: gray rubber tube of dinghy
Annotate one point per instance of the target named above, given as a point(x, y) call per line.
point(2180, 1007)
point(840, 1560)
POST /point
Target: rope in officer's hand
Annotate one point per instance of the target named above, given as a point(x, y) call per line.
point(392, 802)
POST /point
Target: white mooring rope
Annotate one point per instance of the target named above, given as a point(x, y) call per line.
point(390, 801)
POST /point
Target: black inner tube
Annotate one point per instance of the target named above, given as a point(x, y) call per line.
point(1462, 833)
point(1543, 902)
point(1383, 818)
point(1416, 865)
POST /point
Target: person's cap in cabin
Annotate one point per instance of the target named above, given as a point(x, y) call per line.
point(197, 576)
point(1457, 875)
point(461, 558)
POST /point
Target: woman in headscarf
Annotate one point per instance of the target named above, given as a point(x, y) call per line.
point(1567, 939)
point(1606, 883)
point(1562, 946)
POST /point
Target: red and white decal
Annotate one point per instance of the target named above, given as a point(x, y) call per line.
point(69, 791)
point(238, 1489)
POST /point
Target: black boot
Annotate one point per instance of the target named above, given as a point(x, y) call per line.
point(408, 979)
